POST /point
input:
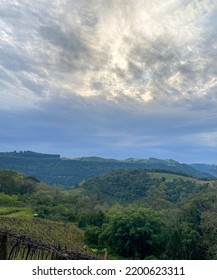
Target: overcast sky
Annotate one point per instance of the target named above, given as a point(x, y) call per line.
point(110, 78)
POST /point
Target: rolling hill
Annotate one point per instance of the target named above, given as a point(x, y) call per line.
point(135, 213)
point(132, 185)
point(55, 170)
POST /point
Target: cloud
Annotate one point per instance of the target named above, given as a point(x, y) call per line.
point(145, 51)
point(109, 75)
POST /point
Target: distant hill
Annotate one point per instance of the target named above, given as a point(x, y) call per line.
point(206, 168)
point(53, 169)
point(28, 154)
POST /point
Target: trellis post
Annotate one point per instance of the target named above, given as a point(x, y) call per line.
point(3, 247)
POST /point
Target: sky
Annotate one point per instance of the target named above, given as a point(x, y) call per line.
point(109, 78)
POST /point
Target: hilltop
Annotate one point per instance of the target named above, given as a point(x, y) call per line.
point(68, 172)
point(132, 185)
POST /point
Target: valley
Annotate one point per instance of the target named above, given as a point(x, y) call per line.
point(135, 213)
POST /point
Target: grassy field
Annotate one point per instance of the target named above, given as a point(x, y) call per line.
point(16, 212)
point(170, 177)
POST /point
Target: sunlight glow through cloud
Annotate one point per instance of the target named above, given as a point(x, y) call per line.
point(146, 62)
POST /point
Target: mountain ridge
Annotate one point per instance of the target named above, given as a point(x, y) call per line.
point(67, 172)
point(207, 168)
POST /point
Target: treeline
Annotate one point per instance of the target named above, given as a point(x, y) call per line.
point(132, 213)
point(132, 185)
point(68, 172)
point(28, 154)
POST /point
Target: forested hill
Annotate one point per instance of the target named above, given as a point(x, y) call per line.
point(133, 185)
point(132, 213)
point(66, 172)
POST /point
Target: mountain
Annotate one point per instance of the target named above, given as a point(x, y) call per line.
point(206, 168)
point(53, 169)
point(127, 186)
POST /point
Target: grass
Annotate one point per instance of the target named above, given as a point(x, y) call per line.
point(171, 177)
point(16, 212)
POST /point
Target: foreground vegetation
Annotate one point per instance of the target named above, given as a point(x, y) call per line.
point(133, 213)
point(49, 232)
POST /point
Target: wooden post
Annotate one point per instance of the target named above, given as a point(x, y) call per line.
point(105, 255)
point(3, 247)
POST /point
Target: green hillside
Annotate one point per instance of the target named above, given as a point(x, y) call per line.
point(133, 213)
point(37, 212)
point(151, 215)
point(130, 185)
point(55, 170)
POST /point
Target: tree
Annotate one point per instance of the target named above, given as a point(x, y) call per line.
point(134, 232)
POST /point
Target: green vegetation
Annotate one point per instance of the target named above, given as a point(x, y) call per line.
point(62, 234)
point(132, 185)
point(134, 232)
point(68, 172)
point(133, 213)
point(16, 212)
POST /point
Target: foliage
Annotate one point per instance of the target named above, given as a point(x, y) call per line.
point(56, 233)
point(68, 172)
point(134, 232)
point(133, 213)
point(16, 183)
point(130, 185)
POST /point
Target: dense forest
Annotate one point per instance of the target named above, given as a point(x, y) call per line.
point(134, 213)
point(66, 172)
